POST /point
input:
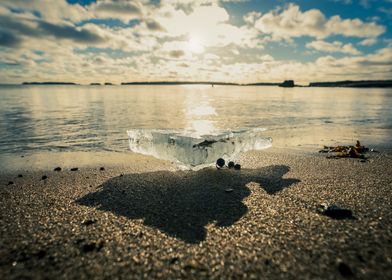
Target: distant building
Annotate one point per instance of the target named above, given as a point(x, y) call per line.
point(287, 83)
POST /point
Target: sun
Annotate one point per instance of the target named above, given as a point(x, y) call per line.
point(195, 44)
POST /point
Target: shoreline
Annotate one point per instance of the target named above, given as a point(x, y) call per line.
point(146, 218)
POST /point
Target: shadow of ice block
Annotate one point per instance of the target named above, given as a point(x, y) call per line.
point(195, 152)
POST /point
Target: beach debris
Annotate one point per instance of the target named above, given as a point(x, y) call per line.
point(345, 270)
point(335, 212)
point(102, 168)
point(228, 190)
point(220, 163)
point(44, 177)
point(356, 151)
point(20, 175)
point(231, 164)
point(57, 169)
point(74, 169)
point(237, 166)
point(10, 183)
point(89, 222)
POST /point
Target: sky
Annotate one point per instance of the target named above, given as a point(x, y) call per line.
point(242, 41)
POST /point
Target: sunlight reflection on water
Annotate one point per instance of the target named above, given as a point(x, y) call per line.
point(83, 118)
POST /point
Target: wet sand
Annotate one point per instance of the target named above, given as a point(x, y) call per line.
point(145, 219)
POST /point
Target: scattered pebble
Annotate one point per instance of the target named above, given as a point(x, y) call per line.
point(220, 163)
point(231, 164)
point(10, 183)
point(335, 212)
point(89, 222)
point(345, 270)
point(74, 169)
point(229, 190)
point(44, 177)
point(102, 168)
point(20, 176)
point(57, 169)
point(92, 246)
point(237, 166)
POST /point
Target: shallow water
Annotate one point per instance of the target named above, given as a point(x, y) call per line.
point(96, 118)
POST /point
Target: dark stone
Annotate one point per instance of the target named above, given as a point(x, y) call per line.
point(44, 177)
point(41, 254)
point(102, 168)
point(20, 176)
point(336, 212)
point(231, 164)
point(267, 262)
point(74, 169)
point(220, 163)
point(345, 270)
point(89, 222)
point(57, 169)
point(93, 246)
point(10, 183)
point(174, 260)
point(237, 166)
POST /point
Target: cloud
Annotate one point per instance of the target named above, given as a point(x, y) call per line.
point(336, 46)
point(176, 53)
point(292, 22)
point(368, 42)
point(7, 39)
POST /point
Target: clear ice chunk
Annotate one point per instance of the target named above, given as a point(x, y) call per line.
point(196, 152)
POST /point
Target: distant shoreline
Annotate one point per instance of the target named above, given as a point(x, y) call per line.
point(347, 83)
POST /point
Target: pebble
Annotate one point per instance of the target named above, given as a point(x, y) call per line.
point(89, 222)
point(237, 166)
point(231, 164)
point(57, 169)
point(345, 270)
point(44, 177)
point(336, 212)
point(102, 168)
point(220, 163)
point(10, 183)
point(20, 176)
point(74, 169)
point(229, 190)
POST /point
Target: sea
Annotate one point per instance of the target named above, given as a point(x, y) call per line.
point(73, 118)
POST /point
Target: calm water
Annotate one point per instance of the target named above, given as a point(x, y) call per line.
point(93, 118)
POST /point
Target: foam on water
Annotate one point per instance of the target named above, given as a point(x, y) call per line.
point(193, 151)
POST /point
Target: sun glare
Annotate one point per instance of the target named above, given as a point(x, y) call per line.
point(195, 44)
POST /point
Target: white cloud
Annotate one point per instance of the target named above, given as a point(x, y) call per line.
point(368, 42)
point(335, 46)
point(292, 22)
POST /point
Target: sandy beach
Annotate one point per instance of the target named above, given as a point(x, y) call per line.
point(145, 219)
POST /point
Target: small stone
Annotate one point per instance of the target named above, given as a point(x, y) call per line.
point(237, 166)
point(57, 169)
point(93, 246)
point(74, 169)
point(102, 168)
point(363, 160)
point(335, 212)
point(20, 175)
point(231, 164)
point(89, 222)
point(121, 175)
point(44, 177)
point(345, 270)
point(174, 260)
point(229, 190)
point(220, 163)
point(10, 183)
